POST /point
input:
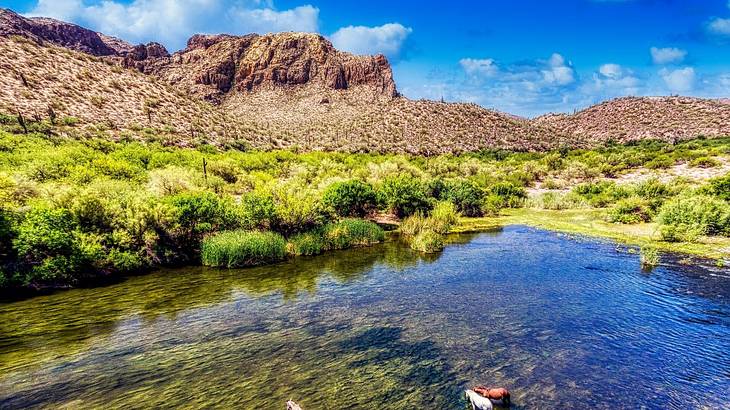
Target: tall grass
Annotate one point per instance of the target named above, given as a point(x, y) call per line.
point(240, 248)
point(349, 233)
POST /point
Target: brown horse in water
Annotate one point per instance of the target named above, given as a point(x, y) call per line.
point(499, 393)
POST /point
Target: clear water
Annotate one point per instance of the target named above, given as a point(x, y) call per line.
point(562, 322)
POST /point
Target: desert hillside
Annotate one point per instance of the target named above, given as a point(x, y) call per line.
point(637, 118)
point(289, 90)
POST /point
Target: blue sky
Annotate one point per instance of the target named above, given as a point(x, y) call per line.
point(526, 57)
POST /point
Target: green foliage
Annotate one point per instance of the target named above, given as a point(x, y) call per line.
point(511, 195)
point(719, 187)
point(234, 249)
point(352, 232)
point(660, 162)
point(428, 241)
point(630, 211)
point(403, 195)
point(413, 224)
point(256, 211)
point(649, 257)
point(443, 217)
point(45, 244)
point(297, 210)
point(692, 216)
point(198, 213)
point(557, 201)
point(307, 243)
point(350, 198)
point(704, 162)
point(466, 196)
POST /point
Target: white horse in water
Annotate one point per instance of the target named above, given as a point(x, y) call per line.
point(478, 402)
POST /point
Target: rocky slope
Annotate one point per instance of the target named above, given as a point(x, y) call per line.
point(288, 90)
point(636, 118)
point(60, 33)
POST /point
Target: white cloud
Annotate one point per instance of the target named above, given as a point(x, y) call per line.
point(680, 80)
point(719, 26)
point(667, 55)
point(485, 67)
point(171, 22)
point(267, 20)
point(558, 72)
point(610, 70)
point(387, 39)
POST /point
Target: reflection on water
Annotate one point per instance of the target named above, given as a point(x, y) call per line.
point(562, 322)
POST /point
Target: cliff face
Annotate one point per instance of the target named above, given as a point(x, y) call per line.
point(61, 34)
point(213, 66)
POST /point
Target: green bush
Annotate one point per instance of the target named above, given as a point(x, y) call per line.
point(6, 233)
point(197, 213)
point(467, 197)
point(697, 214)
point(233, 249)
point(403, 195)
point(350, 198)
point(681, 232)
point(719, 187)
point(660, 162)
point(704, 162)
point(428, 241)
point(46, 245)
point(307, 243)
point(256, 211)
point(511, 195)
point(297, 210)
point(348, 233)
point(630, 211)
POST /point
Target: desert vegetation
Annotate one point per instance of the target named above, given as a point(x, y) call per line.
point(77, 208)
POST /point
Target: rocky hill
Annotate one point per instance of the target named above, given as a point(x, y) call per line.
point(287, 90)
point(60, 33)
point(636, 118)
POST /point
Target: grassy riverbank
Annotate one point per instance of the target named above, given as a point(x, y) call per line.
point(593, 223)
point(75, 206)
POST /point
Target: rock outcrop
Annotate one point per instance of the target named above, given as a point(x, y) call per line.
point(213, 65)
point(60, 33)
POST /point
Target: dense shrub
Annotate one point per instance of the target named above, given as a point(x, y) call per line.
point(467, 197)
point(630, 211)
point(6, 233)
point(297, 210)
point(350, 198)
point(46, 245)
point(403, 195)
point(240, 248)
point(198, 213)
point(511, 195)
point(719, 187)
point(700, 214)
point(256, 211)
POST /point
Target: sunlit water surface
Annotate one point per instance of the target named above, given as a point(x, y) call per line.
point(562, 322)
